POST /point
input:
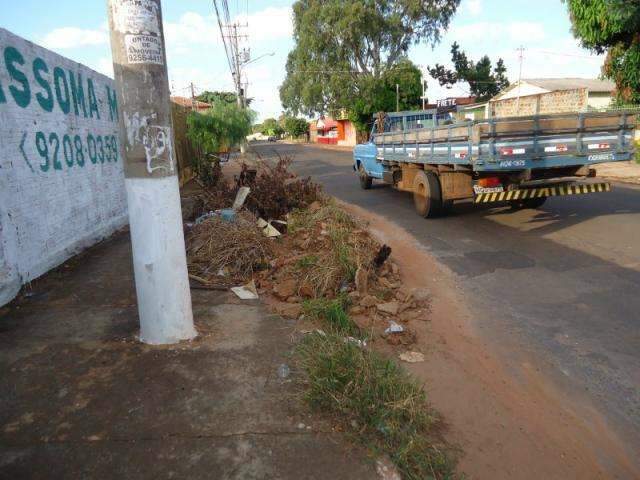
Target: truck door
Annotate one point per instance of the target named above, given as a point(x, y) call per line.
point(367, 154)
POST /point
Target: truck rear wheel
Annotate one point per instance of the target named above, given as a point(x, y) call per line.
point(365, 180)
point(427, 196)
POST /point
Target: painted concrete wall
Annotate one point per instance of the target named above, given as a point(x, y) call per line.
point(61, 173)
point(560, 101)
point(599, 100)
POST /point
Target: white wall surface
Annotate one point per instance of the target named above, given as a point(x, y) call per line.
point(61, 176)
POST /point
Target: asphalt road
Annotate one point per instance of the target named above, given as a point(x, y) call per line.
point(558, 286)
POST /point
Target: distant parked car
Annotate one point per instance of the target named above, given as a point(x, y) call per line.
point(272, 138)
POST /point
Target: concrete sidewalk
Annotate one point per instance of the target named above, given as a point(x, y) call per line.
point(628, 172)
point(81, 398)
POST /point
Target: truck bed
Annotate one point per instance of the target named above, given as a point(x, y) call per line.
point(515, 143)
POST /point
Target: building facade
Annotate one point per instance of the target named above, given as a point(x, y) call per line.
point(552, 95)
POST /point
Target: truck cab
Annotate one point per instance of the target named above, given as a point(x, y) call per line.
point(365, 156)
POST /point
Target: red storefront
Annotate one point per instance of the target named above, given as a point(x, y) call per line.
point(335, 132)
point(327, 129)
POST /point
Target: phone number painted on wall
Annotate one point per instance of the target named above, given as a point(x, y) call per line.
point(64, 152)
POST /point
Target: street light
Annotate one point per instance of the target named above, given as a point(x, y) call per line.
point(258, 58)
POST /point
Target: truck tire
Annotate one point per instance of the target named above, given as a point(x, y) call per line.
point(427, 197)
point(365, 180)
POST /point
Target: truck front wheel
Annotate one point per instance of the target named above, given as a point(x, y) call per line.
point(427, 196)
point(365, 180)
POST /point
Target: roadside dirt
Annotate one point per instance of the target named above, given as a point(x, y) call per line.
point(506, 427)
point(626, 172)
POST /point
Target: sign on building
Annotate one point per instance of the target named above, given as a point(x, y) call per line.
point(61, 174)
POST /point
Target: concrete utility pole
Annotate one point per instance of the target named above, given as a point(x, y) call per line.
point(159, 259)
point(193, 97)
point(521, 58)
point(397, 97)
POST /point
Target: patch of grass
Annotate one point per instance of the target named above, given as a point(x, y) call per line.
point(343, 253)
point(306, 262)
point(637, 152)
point(332, 312)
point(377, 402)
point(340, 250)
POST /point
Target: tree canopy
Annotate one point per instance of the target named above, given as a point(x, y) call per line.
point(485, 81)
point(612, 26)
point(295, 126)
point(344, 51)
point(220, 96)
point(271, 127)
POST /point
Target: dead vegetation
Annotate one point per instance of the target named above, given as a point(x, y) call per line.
point(275, 191)
point(224, 252)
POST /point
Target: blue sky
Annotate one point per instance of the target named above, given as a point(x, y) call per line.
point(78, 30)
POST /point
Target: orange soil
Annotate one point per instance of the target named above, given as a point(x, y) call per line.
point(507, 428)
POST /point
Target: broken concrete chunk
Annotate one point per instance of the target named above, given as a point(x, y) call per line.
point(421, 294)
point(368, 301)
point(289, 310)
point(390, 308)
point(285, 289)
point(412, 357)
point(241, 196)
point(246, 292)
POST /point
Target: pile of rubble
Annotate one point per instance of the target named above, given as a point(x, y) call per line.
point(381, 305)
point(326, 254)
point(312, 249)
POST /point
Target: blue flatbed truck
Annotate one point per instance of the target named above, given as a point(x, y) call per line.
point(520, 160)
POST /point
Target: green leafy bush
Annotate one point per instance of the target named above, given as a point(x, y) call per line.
point(220, 128)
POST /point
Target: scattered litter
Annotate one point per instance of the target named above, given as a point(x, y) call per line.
point(356, 341)
point(283, 370)
point(394, 327)
point(246, 292)
point(228, 214)
point(316, 330)
point(412, 357)
point(204, 216)
point(268, 229)
point(241, 196)
point(301, 426)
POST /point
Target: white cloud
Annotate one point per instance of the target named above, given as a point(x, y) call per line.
point(270, 24)
point(474, 7)
point(70, 37)
point(190, 30)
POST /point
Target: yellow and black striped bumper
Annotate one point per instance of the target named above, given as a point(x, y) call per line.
point(542, 192)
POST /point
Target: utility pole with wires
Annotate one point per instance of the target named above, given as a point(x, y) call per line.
point(520, 58)
point(231, 34)
point(150, 173)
